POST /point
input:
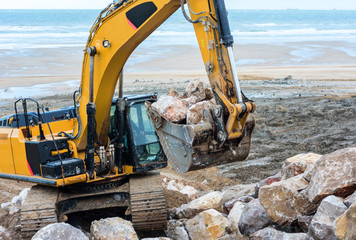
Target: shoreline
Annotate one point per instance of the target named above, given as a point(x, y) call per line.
point(304, 72)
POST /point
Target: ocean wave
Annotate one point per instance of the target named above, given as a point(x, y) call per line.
point(172, 33)
point(43, 35)
point(41, 28)
point(302, 31)
point(16, 46)
point(264, 24)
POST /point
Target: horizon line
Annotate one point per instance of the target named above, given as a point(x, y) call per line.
point(287, 9)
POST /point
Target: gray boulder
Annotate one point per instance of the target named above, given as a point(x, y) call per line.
point(333, 174)
point(273, 234)
point(285, 201)
point(253, 218)
point(111, 229)
point(59, 231)
point(322, 225)
point(176, 230)
point(232, 193)
point(296, 165)
point(212, 200)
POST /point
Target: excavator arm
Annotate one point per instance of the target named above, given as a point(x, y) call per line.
point(119, 29)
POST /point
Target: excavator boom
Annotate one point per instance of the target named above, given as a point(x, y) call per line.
point(117, 32)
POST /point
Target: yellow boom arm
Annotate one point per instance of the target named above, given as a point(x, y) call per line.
point(121, 27)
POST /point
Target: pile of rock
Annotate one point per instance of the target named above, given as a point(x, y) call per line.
point(188, 107)
point(312, 198)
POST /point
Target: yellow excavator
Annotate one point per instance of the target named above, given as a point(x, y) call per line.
point(102, 152)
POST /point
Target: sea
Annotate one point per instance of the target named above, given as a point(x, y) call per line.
point(28, 29)
point(23, 32)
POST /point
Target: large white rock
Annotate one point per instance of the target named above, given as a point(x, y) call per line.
point(285, 201)
point(176, 230)
point(213, 200)
point(298, 164)
point(170, 108)
point(111, 229)
point(322, 225)
point(273, 234)
point(59, 231)
point(195, 88)
point(235, 215)
point(16, 202)
point(253, 218)
point(333, 174)
point(195, 112)
point(190, 191)
point(237, 191)
point(207, 225)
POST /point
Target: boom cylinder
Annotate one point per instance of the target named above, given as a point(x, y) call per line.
point(91, 110)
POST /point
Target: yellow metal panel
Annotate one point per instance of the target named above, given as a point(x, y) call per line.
point(127, 169)
point(19, 153)
point(6, 160)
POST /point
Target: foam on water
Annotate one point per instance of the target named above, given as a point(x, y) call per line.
point(37, 90)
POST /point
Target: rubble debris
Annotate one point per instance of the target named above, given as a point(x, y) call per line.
point(235, 192)
point(195, 88)
point(284, 201)
point(212, 200)
point(190, 191)
point(15, 205)
point(271, 233)
point(59, 231)
point(235, 215)
point(345, 225)
point(173, 93)
point(207, 225)
point(267, 181)
point(333, 174)
point(189, 107)
point(195, 112)
point(112, 228)
point(190, 101)
point(322, 225)
point(298, 164)
point(170, 108)
point(253, 218)
point(176, 230)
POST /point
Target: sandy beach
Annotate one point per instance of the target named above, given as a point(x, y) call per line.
point(324, 61)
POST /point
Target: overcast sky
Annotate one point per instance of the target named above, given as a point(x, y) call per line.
point(231, 4)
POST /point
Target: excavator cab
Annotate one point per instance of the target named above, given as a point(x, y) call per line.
point(141, 145)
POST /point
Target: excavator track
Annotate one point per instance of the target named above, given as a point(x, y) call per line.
point(38, 210)
point(148, 204)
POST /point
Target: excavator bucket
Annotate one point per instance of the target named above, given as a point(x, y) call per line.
point(198, 146)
